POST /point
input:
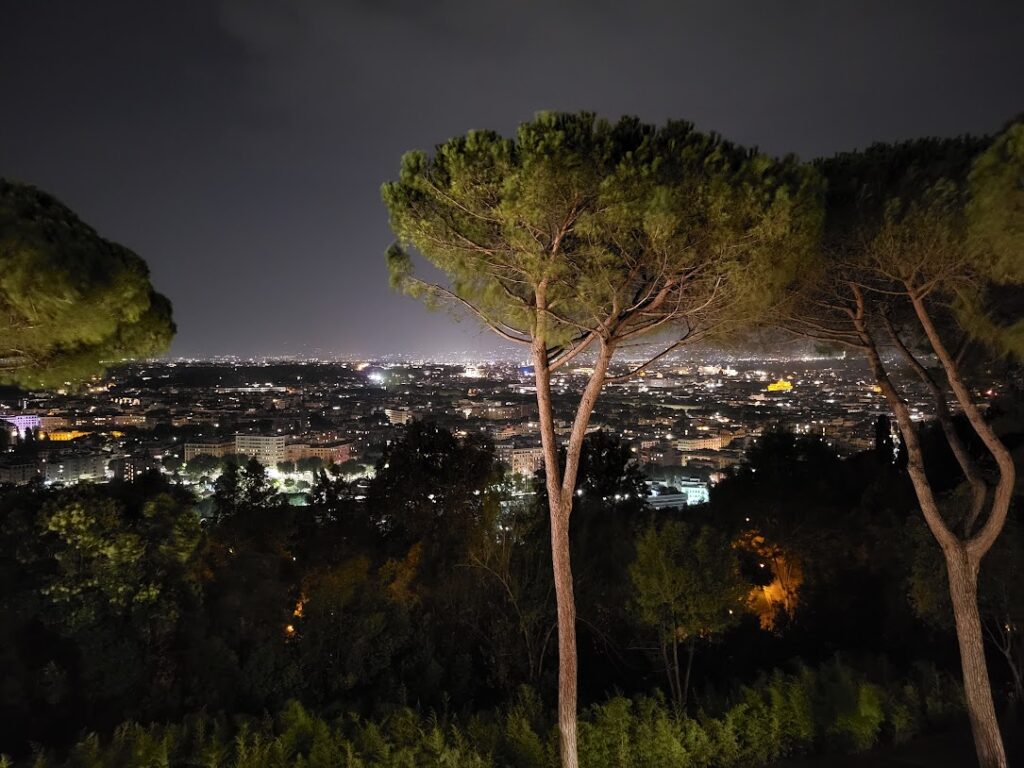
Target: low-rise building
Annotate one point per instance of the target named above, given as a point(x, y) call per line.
point(18, 472)
point(682, 493)
point(329, 453)
point(218, 449)
point(75, 467)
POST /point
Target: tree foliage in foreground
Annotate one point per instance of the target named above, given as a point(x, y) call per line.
point(580, 230)
point(924, 255)
point(579, 236)
point(688, 588)
point(69, 299)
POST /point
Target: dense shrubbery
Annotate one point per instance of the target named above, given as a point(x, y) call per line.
point(831, 707)
point(434, 592)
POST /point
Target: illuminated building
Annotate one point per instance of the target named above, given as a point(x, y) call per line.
point(682, 493)
point(218, 449)
point(50, 423)
point(329, 453)
point(709, 442)
point(780, 386)
point(65, 435)
point(268, 450)
point(73, 468)
point(496, 411)
point(23, 422)
point(130, 468)
point(130, 420)
point(399, 415)
point(521, 460)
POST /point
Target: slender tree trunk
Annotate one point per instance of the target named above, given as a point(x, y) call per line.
point(679, 699)
point(560, 487)
point(962, 568)
point(689, 668)
point(962, 557)
point(979, 489)
point(965, 562)
point(565, 603)
point(668, 670)
point(981, 542)
point(566, 608)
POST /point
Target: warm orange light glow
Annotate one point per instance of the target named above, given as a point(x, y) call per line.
point(63, 435)
point(783, 591)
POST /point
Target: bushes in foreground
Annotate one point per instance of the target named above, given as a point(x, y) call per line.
point(830, 708)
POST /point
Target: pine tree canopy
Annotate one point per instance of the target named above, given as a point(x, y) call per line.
point(70, 300)
point(579, 229)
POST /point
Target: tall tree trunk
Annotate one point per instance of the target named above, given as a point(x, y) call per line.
point(962, 568)
point(560, 487)
point(565, 604)
point(966, 559)
point(962, 557)
point(566, 608)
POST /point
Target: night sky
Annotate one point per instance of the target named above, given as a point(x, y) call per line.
point(239, 145)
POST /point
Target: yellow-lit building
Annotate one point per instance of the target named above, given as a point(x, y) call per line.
point(65, 435)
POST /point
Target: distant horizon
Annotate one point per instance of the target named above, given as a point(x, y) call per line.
point(470, 356)
point(466, 357)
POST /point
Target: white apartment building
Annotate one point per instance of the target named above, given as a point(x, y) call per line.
point(522, 461)
point(21, 422)
point(399, 415)
point(268, 450)
point(73, 468)
point(711, 441)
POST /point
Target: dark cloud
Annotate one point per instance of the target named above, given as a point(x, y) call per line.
point(239, 146)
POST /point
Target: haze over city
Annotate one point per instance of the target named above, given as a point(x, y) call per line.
point(240, 146)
